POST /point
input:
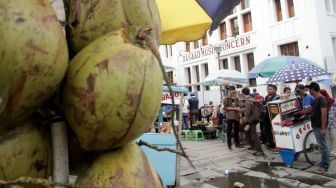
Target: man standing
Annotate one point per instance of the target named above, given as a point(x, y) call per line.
point(255, 93)
point(266, 131)
point(306, 100)
point(251, 133)
point(232, 109)
point(193, 106)
point(185, 113)
point(319, 124)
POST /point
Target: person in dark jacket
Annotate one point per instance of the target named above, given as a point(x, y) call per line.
point(251, 132)
point(232, 109)
point(193, 106)
point(267, 129)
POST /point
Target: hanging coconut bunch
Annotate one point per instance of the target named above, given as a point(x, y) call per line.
point(108, 92)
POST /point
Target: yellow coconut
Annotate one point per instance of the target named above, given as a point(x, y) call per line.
point(91, 19)
point(124, 167)
point(25, 152)
point(112, 92)
point(34, 57)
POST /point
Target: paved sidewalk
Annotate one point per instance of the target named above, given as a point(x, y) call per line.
point(212, 158)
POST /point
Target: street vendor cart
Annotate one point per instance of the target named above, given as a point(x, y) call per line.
point(293, 134)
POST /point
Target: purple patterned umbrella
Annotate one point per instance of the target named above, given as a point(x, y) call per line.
point(296, 72)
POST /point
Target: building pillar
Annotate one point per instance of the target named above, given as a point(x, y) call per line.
point(231, 63)
point(243, 63)
point(284, 9)
point(240, 24)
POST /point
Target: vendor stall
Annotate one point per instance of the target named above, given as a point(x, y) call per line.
point(161, 135)
point(292, 133)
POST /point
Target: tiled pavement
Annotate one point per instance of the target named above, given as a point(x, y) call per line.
point(212, 157)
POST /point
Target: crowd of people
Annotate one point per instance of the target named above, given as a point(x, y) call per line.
point(248, 112)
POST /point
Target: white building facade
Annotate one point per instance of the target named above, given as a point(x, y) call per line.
point(255, 31)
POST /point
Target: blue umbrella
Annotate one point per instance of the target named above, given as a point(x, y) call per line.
point(217, 10)
point(177, 89)
point(296, 72)
point(225, 76)
point(269, 66)
point(327, 82)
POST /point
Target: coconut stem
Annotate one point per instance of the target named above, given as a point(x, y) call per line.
point(154, 147)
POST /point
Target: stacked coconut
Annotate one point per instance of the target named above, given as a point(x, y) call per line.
point(109, 87)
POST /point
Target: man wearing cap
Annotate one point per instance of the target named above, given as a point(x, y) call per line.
point(233, 115)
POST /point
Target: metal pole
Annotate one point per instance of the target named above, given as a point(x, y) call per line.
point(178, 157)
point(218, 60)
point(59, 136)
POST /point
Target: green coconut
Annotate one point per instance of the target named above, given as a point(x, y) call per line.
point(91, 19)
point(112, 92)
point(34, 57)
point(124, 167)
point(25, 152)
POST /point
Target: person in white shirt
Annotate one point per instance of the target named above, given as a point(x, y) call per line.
point(185, 124)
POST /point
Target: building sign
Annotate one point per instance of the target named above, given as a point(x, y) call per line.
point(225, 46)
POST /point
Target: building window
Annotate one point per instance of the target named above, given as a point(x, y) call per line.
point(327, 5)
point(206, 69)
point(207, 88)
point(204, 40)
point(334, 6)
point(196, 73)
point(237, 63)
point(169, 50)
point(198, 88)
point(190, 89)
point(196, 45)
point(291, 11)
point(247, 22)
point(250, 61)
point(245, 4)
point(290, 49)
point(170, 77)
point(253, 82)
point(223, 64)
point(234, 26)
point(222, 29)
point(278, 11)
point(187, 46)
point(188, 74)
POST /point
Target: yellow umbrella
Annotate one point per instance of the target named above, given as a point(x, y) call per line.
point(182, 20)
